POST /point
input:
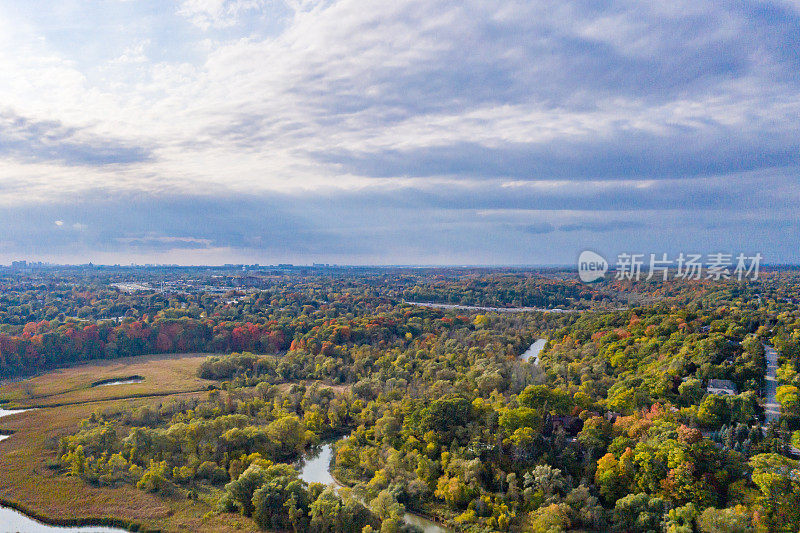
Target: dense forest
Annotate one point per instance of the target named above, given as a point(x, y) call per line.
point(620, 426)
point(49, 322)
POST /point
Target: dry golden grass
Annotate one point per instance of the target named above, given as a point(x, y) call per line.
point(27, 480)
point(163, 374)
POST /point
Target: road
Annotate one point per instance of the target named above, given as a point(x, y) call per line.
point(494, 309)
point(772, 409)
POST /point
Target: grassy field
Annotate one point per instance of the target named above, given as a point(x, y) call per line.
point(63, 398)
point(163, 375)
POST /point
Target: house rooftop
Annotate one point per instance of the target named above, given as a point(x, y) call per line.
point(721, 386)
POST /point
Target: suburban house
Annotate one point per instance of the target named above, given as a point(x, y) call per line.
point(721, 386)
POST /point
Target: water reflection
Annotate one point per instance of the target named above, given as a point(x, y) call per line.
point(316, 469)
point(533, 351)
point(122, 381)
point(316, 465)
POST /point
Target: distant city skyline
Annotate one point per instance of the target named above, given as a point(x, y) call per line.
point(409, 133)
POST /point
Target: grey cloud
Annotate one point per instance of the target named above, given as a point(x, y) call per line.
point(148, 223)
point(603, 226)
point(36, 140)
point(346, 80)
point(631, 156)
point(764, 192)
point(368, 70)
point(379, 70)
point(538, 228)
point(541, 53)
point(451, 222)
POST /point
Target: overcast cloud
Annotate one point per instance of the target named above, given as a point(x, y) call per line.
point(398, 131)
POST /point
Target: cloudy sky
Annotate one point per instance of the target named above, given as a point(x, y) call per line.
point(397, 132)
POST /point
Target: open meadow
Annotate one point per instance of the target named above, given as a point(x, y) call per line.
point(62, 399)
point(161, 375)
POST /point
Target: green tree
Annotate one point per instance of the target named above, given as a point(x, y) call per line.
point(681, 519)
point(638, 513)
point(543, 397)
point(730, 520)
point(778, 479)
point(154, 478)
point(553, 518)
point(242, 489)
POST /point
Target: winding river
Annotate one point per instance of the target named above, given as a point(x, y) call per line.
point(533, 351)
point(316, 469)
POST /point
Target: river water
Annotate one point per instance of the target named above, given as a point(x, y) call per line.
point(7, 412)
point(533, 351)
point(316, 469)
point(12, 521)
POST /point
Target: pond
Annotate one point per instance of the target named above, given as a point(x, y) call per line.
point(118, 381)
point(316, 469)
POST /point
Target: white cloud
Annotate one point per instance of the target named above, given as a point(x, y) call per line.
point(209, 102)
point(206, 14)
point(134, 53)
point(399, 75)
